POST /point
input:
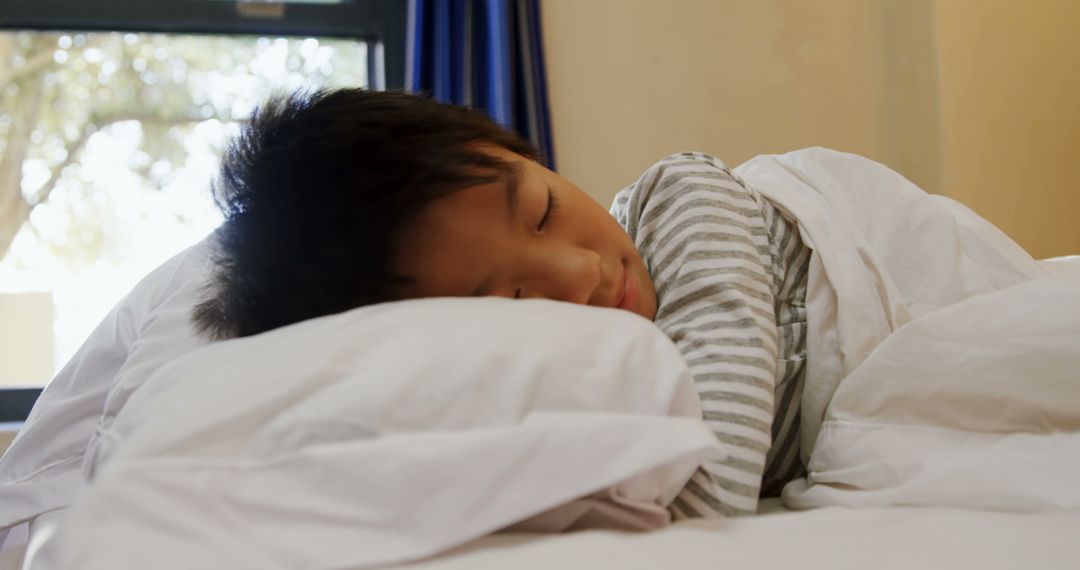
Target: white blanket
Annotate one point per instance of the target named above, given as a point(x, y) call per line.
point(944, 362)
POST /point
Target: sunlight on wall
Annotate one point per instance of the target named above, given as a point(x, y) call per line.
point(632, 81)
point(976, 99)
point(1010, 94)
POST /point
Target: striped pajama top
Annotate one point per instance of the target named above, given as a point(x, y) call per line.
point(730, 275)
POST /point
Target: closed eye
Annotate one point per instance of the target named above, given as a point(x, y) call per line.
point(552, 204)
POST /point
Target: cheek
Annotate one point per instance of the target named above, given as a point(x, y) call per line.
point(614, 234)
point(602, 228)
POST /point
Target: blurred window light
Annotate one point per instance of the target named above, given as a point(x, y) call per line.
point(108, 145)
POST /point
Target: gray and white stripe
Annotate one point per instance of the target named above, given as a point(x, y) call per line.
point(730, 276)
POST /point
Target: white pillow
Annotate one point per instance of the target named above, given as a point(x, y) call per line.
point(393, 432)
point(42, 470)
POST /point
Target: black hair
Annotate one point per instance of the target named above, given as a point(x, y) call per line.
point(317, 189)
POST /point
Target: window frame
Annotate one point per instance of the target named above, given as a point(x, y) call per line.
point(380, 23)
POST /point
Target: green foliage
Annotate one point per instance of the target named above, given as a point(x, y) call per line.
point(59, 91)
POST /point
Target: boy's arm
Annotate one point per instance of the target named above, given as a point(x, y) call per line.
point(703, 237)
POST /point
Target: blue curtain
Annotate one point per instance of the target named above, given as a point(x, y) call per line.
point(486, 54)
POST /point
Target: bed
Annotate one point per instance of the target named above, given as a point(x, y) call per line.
point(945, 434)
point(835, 537)
point(263, 461)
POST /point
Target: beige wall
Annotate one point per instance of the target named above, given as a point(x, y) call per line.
point(1010, 88)
point(634, 80)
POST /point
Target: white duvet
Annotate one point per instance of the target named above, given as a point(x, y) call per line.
point(944, 362)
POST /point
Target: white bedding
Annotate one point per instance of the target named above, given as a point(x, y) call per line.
point(976, 405)
point(940, 373)
point(942, 364)
point(408, 428)
point(835, 537)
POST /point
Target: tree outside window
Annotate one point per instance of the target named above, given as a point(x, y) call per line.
point(108, 145)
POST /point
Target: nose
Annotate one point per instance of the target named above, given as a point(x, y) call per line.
point(570, 275)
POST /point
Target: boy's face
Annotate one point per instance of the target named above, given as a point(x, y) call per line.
point(537, 237)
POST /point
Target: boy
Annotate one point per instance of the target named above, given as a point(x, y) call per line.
point(339, 199)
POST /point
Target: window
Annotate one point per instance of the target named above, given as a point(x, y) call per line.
point(112, 115)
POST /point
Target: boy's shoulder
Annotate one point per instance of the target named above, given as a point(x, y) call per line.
point(686, 168)
point(692, 158)
point(668, 179)
point(685, 181)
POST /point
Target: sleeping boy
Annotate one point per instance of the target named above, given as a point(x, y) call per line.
point(338, 199)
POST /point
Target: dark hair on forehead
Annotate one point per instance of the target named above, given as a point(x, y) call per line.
point(316, 190)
